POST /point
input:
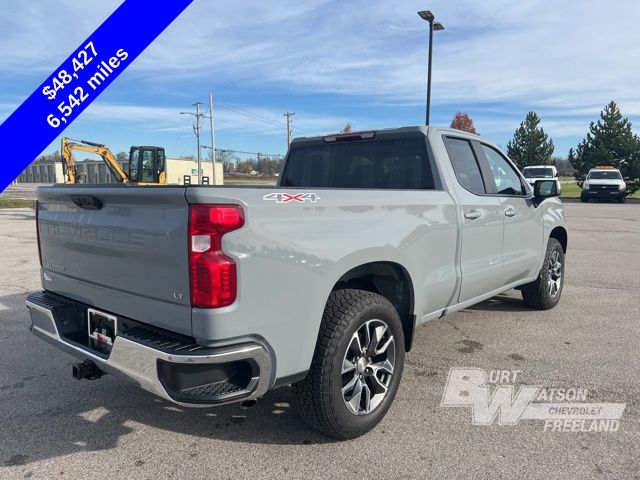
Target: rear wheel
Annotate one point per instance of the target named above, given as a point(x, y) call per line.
point(584, 199)
point(357, 365)
point(545, 292)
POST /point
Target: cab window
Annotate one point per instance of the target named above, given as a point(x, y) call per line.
point(134, 164)
point(465, 164)
point(379, 163)
point(506, 178)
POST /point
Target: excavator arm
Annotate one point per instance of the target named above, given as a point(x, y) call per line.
point(66, 152)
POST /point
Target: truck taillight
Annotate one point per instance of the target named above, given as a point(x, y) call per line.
point(213, 273)
point(38, 231)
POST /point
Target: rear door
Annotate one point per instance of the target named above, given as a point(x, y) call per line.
point(482, 222)
point(120, 249)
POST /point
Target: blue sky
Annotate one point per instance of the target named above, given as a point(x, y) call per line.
point(332, 62)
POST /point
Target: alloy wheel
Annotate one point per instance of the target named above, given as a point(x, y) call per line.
point(554, 280)
point(367, 367)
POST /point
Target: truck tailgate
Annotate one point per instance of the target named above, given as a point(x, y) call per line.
point(118, 248)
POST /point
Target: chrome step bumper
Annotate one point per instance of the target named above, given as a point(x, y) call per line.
point(142, 361)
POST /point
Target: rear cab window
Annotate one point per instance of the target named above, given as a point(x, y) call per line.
point(465, 164)
point(538, 172)
point(377, 163)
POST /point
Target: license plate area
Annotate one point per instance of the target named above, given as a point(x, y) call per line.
point(102, 329)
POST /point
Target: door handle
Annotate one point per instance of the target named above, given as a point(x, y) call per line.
point(472, 214)
point(510, 212)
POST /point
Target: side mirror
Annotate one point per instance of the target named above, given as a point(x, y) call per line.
point(545, 189)
point(557, 175)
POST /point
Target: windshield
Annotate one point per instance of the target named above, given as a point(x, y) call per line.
point(530, 172)
point(605, 175)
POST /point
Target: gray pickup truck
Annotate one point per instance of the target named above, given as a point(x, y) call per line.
point(209, 295)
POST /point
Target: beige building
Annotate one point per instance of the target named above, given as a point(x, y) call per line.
point(96, 171)
point(42, 173)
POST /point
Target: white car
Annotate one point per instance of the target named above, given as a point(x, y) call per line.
point(534, 173)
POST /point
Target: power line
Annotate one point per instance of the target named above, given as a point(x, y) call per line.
point(252, 115)
point(246, 153)
point(255, 116)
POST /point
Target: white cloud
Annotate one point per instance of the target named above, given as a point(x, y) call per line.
point(262, 121)
point(560, 54)
point(564, 59)
point(36, 36)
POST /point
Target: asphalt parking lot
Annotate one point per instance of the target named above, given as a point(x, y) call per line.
point(52, 426)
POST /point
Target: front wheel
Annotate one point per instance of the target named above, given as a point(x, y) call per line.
point(544, 293)
point(357, 365)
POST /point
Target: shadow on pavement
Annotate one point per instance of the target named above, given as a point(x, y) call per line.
point(511, 302)
point(45, 413)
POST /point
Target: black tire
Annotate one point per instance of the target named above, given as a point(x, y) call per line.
point(319, 396)
point(621, 199)
point(584, 199)
point(540, 294)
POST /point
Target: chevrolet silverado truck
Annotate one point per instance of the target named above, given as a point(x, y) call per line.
point(207, 295)
point(604, 182)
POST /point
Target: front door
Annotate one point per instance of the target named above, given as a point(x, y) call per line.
point(523, 233)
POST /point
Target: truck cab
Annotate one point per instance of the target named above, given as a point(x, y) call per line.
point(535, 173)
point(604, 182)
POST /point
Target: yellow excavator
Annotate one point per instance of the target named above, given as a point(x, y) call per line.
point(146, 164)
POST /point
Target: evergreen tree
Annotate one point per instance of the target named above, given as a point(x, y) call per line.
point(610, 141)
point(530, 145)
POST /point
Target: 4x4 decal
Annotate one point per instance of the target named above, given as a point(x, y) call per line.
point(282, 197)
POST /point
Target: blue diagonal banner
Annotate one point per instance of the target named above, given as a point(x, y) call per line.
point(80, 79)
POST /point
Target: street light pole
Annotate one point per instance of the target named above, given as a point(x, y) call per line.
point(433, 26)
point(429, 74)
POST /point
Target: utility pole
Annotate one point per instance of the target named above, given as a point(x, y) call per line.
point(213, 140)
point(289, 115)
point(196, 130)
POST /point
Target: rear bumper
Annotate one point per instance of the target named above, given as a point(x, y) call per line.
point(174, 369)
